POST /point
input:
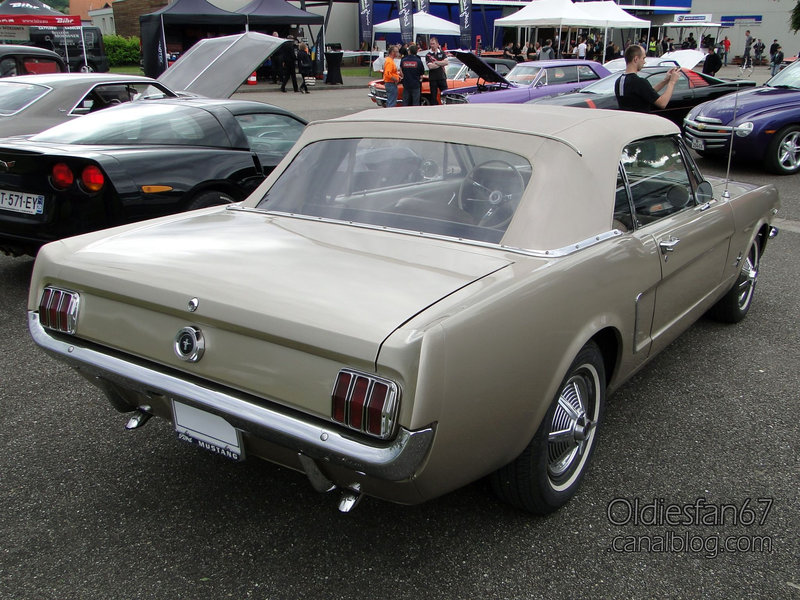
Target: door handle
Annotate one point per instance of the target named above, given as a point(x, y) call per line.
point(668, 245)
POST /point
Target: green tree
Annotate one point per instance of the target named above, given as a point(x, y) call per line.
point(794, 20)
point(59, 5)
point(122, 50)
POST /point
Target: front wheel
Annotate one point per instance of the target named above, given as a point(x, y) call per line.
point(87, 68)
point(783, 154)
point(548, 472)
point(734, 305)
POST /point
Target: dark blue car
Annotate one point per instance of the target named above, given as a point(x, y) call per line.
point(764, 124)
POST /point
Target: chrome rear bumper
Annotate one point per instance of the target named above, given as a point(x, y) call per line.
point(396, 460)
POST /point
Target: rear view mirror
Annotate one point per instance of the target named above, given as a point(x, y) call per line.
point(704, 193)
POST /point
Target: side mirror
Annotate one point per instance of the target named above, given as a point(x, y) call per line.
point(705, 193)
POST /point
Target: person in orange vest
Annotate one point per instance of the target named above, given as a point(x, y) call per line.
point(391, 77)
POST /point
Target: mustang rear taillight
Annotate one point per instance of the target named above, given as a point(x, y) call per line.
point(62, 176)
point(58, 309)
point(365, 403)
point(93, 179)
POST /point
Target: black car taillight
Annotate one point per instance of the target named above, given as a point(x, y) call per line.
point(365, 403)
point(62, 176)
point(92, 179)
point(58, 309)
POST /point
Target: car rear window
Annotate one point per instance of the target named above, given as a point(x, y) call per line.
point(16, 96)
point(439, 188)
point(141, 124)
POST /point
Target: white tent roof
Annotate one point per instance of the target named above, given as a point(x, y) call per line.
point(613, 15)
point(550, 12)
point(424, 24)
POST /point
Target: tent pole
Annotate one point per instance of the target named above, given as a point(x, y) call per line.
point(371, 46)
point(83, 47)
point(66, 48)
point(560, 41)
point(164, 44)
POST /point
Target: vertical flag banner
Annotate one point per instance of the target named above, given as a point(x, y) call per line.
point(365, 16)
point(465, 20)
point(424, 6)
point(405, 10)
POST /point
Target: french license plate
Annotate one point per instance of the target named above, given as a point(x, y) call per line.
point(30, 204)
point(208, 431)
point(697, 143)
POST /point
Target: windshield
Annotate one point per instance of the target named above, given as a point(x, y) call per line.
point(523, 75)
point(438, 188)
point(16, 96)
point(452, 68)
point(789, 77)
point(141, 124)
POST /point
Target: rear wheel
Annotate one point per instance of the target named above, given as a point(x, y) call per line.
point(207, 199)
point(734, 306)
point(783, 154)
point(548, 472)
point(424, 100)
point(87, 68)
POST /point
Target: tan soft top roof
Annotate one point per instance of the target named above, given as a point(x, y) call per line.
point(574, 153)
point(574, 125)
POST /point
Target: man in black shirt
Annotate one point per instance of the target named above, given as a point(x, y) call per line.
point(437, 61)
point(413, 70)
point(635, 93)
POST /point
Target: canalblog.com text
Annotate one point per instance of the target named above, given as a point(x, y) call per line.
point(657, 516)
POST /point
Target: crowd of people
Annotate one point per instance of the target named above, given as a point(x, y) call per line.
point(412, 69)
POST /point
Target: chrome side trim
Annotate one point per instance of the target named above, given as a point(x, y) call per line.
point(397, 460)
point(556, 252)
point(709, 120)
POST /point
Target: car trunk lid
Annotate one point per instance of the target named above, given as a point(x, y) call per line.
point(216, 67)
point(284, 303)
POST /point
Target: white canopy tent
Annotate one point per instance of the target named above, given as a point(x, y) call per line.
point(553, 13)
point(424, 24)
point(562, 13)
point(615, 17)
point(549, 12)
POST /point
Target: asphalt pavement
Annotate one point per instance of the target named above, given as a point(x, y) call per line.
point(709, 429)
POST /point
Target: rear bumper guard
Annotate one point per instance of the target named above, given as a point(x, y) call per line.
point(396, 460)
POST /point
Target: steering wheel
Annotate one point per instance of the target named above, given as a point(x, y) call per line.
point(272, 133)
point(489, 200)
point(678, 196)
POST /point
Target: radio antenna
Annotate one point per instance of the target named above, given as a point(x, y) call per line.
point(726, 194)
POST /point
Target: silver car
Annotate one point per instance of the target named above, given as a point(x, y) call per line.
point(415, 298)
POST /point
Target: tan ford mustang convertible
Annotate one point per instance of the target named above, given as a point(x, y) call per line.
point(414, 298)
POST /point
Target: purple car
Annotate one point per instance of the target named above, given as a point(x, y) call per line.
point(766, 127)
point(526, 81)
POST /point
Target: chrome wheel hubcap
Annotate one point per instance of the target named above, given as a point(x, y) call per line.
point(749, 276)
point(789, 151)
point(573, 426)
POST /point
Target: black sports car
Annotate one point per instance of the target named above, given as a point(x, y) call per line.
point(693, 88)
point(136, 161)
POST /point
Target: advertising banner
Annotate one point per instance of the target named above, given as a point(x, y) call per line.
point(405, 12)
point(365, 17)
point(465, 20)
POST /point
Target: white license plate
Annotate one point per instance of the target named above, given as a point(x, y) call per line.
point(208, 431)
point(30, 204)
point(697, 144)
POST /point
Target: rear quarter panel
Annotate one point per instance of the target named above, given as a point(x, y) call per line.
point(490, 359)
